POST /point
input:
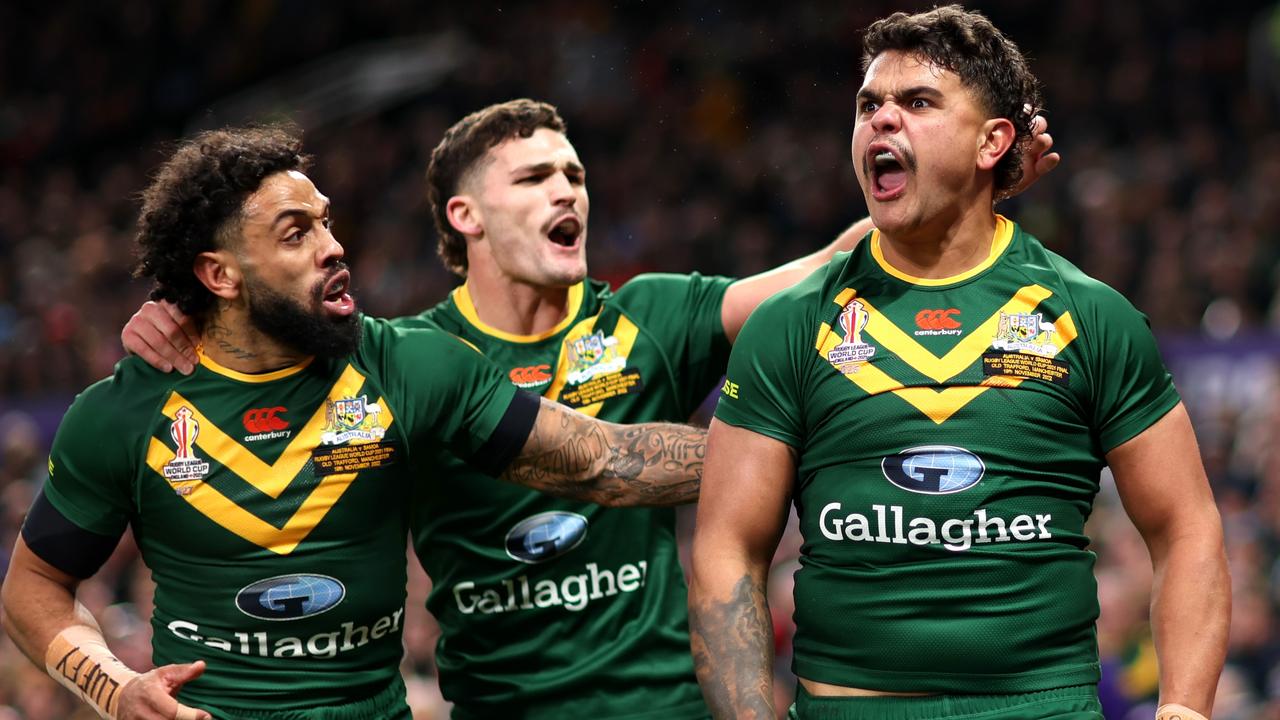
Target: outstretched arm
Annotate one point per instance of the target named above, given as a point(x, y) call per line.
point(1164, 489)
point(573, 455)
point(61, 635)
point(743, 296)
point(743, 510)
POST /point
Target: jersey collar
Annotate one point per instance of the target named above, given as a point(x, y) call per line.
point(284, 372)
point(462, 300)
point(999, 241)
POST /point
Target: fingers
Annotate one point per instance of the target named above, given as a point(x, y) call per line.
point(1047, 162)
point(157, 336)
point(189, 713)
point(185, 323)
point(178, 675)
point(150, 696)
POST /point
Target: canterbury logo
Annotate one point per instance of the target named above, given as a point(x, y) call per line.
point(530, 376)
point(937, 319)
point(261, 420)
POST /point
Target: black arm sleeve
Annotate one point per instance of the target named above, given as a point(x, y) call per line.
point(510, 435)
point(62, 543)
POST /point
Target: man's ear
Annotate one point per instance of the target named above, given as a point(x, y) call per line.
point(998, 136)
point(219, 272)
point(464, 216)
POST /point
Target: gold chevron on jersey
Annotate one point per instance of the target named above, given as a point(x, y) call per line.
point(937, 405)
point(624, 331)
point(270, 479)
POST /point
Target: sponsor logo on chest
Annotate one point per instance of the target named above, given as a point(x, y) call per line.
point(930, 470)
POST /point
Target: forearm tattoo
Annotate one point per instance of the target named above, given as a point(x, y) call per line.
point(732, 656)
point(571, 455)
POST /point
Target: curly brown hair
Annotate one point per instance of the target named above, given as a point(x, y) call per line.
point(460, 152)
point(193, 205)
point(967, 44)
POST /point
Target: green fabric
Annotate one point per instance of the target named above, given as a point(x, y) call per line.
point(947, 466)
point(389, 704)
point(270, 493)
point(1070, 703)
point(602, 629)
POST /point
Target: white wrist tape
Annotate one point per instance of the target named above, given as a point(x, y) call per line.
point(1174, 711)
point(80, 660)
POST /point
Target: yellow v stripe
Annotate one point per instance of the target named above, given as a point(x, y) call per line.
point(625, 331)
point(222, 510)
point(937, 405)
point(965, 352)
point(270, 479)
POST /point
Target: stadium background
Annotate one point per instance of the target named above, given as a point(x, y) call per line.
point(716, 139)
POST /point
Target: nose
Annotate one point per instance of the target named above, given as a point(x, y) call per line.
point(329, 250)
point(561, 190)
point(887, 118)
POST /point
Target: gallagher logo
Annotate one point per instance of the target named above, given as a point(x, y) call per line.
point(545, 536)
point(262, 420)
point(938, 322)
point(290, 597)
point(531, 376)
point(934, 469)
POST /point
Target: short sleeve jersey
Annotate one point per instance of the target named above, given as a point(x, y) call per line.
point(949, 436)
point(547, 604)
point(271, 509)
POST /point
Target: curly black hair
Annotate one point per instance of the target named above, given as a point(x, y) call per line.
point(967, 44)
point(460, 151)
point(193, 205)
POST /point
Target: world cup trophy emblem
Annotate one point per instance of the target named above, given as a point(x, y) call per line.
point(852, 352)
point(185, 466)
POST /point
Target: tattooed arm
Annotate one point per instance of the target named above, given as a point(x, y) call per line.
point(741, 515)
point(572, 455)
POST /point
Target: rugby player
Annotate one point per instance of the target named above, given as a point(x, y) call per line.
point(943, 475)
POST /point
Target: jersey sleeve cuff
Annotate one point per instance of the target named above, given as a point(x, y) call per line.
point(510, 434)
point(63, 544)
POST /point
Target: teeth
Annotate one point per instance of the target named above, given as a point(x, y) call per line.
point(884, 158)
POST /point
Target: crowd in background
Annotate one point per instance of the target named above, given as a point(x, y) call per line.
point(715, 139)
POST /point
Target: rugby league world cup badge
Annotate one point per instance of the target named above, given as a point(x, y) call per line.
point(852, 352)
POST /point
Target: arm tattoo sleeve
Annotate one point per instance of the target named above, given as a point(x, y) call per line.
point(572, 455)
point(732, 651)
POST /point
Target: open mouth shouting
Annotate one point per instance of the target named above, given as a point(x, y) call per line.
point(565, 230)
point(887, 166)
point(336, 297)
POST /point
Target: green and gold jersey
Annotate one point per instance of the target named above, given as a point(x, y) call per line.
point(271, 509)
point(548, 605)
point(950, 434)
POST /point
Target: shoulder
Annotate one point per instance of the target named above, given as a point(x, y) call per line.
point(383, 338)
point(1082, 291)
point(108, 405)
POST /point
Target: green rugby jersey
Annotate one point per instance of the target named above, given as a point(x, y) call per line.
point(949, 435)
point(548, 605)
point(271, 509)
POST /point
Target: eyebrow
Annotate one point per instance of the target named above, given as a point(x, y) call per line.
point(289, 213)
point(546, 167)
point(915, 91)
